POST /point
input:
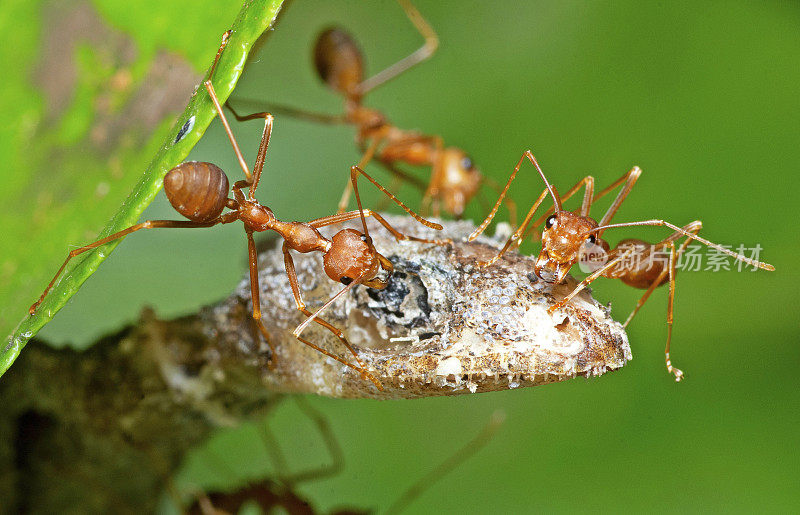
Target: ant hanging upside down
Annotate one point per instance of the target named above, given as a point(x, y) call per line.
point(199, 191)
point(454, 180)
point(570, 235)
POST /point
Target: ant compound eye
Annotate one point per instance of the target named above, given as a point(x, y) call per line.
point(363, 237)
point(592, 239)
point(346, 280)
point(550, 222)
point(466, 163)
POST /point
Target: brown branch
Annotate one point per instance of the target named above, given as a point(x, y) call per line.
point(104, 429)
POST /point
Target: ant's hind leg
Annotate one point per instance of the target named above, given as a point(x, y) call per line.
point(694, 228)
point(678, 373)
point(421, 54)
point(355, 171)
point(150, 224)
point(399, 236)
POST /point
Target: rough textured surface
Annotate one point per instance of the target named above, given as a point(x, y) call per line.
point(443, 326)
point(122, 415)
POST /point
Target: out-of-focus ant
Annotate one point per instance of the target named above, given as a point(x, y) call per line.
point(569, 236)
point(199, 191)
point(280, 491)
point(454, 179)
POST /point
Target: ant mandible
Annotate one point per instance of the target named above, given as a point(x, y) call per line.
point(454, 180)
point(570, 235)
point(199, 191)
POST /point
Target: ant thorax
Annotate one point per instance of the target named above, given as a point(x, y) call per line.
point(460, 180)
point(255, 216)
point(365, 118)
point(563, 240)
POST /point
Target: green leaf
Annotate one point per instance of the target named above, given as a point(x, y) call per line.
point(63, 200)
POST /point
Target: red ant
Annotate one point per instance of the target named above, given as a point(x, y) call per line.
point(455, 179)
point(568, 235)
point(199, 191)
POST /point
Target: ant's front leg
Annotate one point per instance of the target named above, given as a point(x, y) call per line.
point(301, 306)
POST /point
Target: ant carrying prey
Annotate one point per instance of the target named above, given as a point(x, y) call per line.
point(454, 179)
point(199, 191)
point(569, 236)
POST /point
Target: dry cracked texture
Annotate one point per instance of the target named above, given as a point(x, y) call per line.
point(443, 326)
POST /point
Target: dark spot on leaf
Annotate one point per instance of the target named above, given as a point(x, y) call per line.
point(185, 129)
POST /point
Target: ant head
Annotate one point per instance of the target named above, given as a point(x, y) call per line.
point(338, 61)
point(460, 181)
point(566, 235)
point(351, 256)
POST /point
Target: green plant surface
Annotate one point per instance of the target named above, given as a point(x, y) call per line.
point(76, 150)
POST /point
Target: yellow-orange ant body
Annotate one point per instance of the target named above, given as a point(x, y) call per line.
point(199, 191)
point(570, 235)
point(454, 180)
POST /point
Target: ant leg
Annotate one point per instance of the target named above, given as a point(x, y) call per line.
point(355, 171)
point(292, 112)
point(332, 444)
point(588, 199)
point(278, 459)
point(521, 229)
point(454, 460)
point(399, 236)
point(395, 185)
point(262, 147)
point(516, 238)
point(255, 293)
point(365, 158)
point(352, 215)
point(629, 179)
point(213, 94)
point(402, 175)
point(421, 54)
point(432, 194)
point(586, 281)
point(363, 213)
point(694, 228)
point(655, 284)
point(678, 373)
point(301, 306)
point(149, 224)
point(222, 45)
point(510, 204)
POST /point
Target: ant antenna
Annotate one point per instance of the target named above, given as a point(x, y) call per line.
point(549, 188)
point(751, 262)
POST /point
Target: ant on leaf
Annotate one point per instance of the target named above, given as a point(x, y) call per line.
point(199, 191)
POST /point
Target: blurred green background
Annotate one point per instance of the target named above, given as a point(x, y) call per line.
point(703, 96)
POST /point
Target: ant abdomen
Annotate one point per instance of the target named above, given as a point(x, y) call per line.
point(197, 190)
point(338, 61)
point(640, 267)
